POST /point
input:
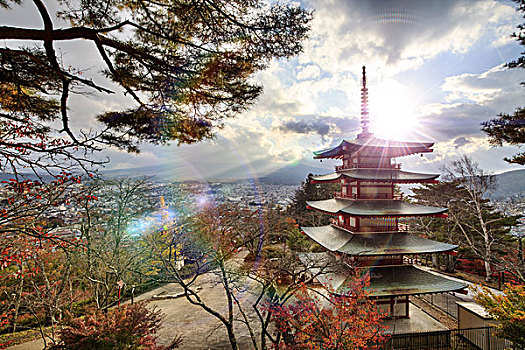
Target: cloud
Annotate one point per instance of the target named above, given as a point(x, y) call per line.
point(308, 72)
point(449, 121)
point(461, 141)
point(314, 98)
point(471, 99)
point(397, 36)
point(499, 87)
point(320, 125)
point(315, 126)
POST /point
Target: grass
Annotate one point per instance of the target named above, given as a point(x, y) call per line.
point(10, 339)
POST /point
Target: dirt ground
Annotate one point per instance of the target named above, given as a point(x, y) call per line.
point(199, 329)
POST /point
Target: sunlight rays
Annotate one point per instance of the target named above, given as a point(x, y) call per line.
point(392, 111)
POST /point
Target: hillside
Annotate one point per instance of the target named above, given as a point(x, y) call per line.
point(509, 184)
point(293, 174)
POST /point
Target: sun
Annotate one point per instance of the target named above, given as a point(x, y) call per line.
point(392, 111)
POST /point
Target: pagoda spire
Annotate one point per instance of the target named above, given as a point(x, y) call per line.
point(364, 107)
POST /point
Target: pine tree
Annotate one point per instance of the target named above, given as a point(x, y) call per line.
point(510, 128)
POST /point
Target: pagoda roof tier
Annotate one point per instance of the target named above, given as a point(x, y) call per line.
point(385, 281)
point(373, 208)
point(371, 145)
point(373, 244)
point(377, 175)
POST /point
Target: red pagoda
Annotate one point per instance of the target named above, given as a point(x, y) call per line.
point(367, 227)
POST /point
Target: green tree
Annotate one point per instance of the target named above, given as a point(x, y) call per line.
point(510, 128)
point(311, 192)
point(509, 309)
point(187, 65)
point(472, 220)
point(443, 230)
point(239, 249)
point(109, 254)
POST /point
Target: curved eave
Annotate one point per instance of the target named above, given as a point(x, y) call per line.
point(333, 177)
point(374, 244)
point(408, 280)
point(375, 208)
point(385, 281)
point(333, 152)
point(377, 175)
point(374, 145)
point(330, 237)
point(393, 244)
point(331, 206)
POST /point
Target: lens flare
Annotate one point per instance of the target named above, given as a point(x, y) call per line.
point(392, 113)
point(396, 16)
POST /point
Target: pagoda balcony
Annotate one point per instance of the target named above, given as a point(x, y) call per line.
point(367, 165)
point(378, 196)
point(377, 229)
point(403, 227)
point(369, 229)
point(336, 223)
point(345, 195)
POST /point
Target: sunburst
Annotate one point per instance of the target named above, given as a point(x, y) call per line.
point(392, 111)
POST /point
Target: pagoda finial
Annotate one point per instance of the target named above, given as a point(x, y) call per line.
point(364, 106)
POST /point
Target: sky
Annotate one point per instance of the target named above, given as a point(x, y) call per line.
point(435, 71)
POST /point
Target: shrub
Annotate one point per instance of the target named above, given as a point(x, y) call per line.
point(130, 327)
point(507, 308)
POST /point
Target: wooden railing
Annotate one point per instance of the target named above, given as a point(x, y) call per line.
point(400, 227)
point(336, 223)
point(344, 195)
point(378, 196)
point(367, 165)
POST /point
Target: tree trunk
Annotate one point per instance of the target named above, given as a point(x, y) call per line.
point(435, 261)
point(449, 263)
point(17, 303)
point(231, 337)
point(488, 272)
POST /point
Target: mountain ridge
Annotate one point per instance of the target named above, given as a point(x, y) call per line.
point(508, 184)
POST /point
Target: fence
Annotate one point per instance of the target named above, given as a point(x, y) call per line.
point(482, 338)
point(446, 302)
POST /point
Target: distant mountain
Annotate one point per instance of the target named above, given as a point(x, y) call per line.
point(163, 172)
point(293, 174)
point(7, 177)
point(183, 172)
point(509, 184)
point(256, 168)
